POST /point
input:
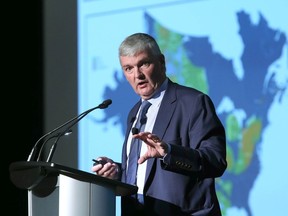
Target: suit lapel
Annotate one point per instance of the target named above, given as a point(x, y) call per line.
point(165, 113)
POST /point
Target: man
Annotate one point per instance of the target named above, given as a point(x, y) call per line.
point(183, 144)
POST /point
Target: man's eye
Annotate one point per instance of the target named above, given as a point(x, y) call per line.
point(128, 70)
point(146, 64)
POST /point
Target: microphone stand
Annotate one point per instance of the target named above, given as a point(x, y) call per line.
point(73, 121)
point(53, 147)
point(47, 140)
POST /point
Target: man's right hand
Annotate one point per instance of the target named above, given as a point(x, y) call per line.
point(106, 168)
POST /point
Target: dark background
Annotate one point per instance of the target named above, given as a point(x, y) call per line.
point(21, 92)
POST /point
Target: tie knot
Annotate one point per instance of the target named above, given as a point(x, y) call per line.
point(145, 106)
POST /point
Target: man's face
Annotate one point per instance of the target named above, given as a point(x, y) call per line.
point(144, 72)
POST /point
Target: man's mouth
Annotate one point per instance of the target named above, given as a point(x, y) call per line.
point(141, 83)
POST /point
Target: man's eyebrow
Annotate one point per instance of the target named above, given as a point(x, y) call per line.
point(126, 65)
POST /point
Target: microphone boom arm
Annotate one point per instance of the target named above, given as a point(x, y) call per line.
point(74, 120)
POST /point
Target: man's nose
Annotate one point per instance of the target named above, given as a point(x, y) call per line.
point(138, 72)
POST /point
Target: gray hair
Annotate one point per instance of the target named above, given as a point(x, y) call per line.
point(137, 43)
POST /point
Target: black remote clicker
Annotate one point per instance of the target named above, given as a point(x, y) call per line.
point(98, 162)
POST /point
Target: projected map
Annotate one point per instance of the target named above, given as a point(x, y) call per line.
point(238, 56)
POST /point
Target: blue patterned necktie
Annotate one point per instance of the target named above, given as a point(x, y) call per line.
point(136, 144)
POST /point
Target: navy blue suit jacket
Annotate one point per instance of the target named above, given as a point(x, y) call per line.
point(184, 182)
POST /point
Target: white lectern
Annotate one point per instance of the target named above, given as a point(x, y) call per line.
point(54, 189)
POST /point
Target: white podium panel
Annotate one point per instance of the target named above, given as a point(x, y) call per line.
point(85, 199)
point(43, 206)
point(56, 190)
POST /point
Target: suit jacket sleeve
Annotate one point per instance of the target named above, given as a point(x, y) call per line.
point(200, 151)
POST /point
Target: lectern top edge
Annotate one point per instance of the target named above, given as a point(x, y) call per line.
point(29, 174)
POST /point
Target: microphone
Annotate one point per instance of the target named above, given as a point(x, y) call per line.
point(135, 130)
point(45, 138)
point(104, 104)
